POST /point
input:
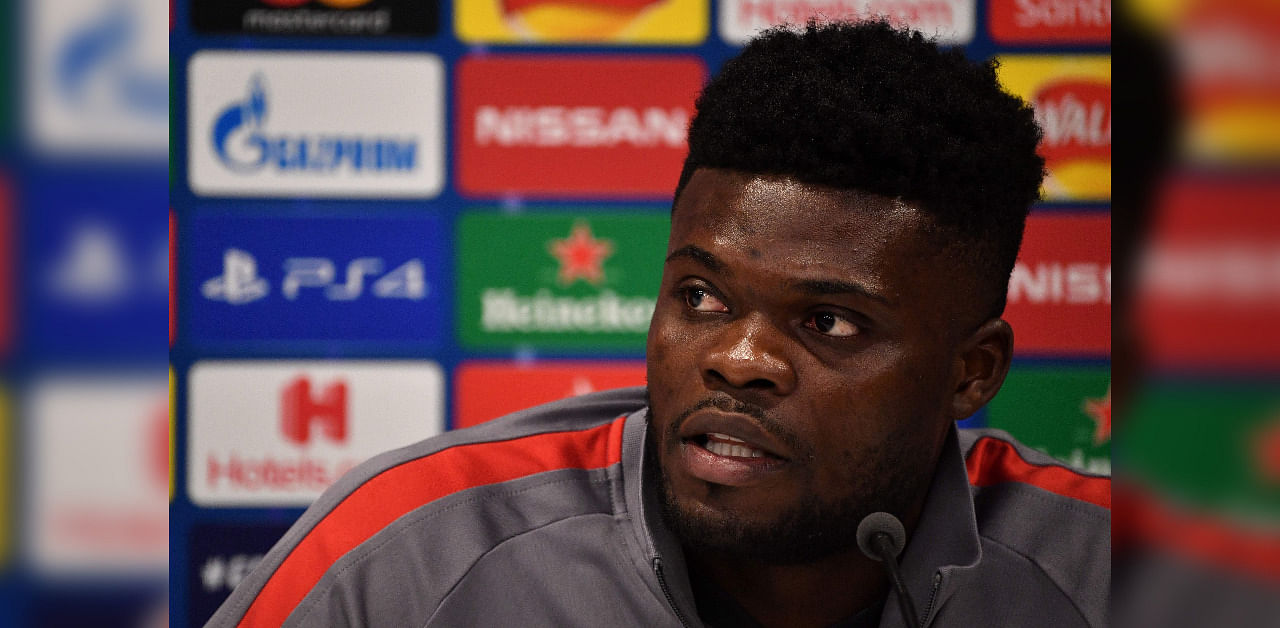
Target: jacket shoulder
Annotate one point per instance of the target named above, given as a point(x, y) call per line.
point(390, 505)
point(1034, 509)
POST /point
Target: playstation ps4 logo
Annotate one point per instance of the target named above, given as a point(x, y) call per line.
point(240, 283)
point(242, 144)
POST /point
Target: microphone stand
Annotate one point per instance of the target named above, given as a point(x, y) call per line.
point(883, 545)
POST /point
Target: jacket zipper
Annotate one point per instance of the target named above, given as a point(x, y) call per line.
point(662, 582)
point(933, 596)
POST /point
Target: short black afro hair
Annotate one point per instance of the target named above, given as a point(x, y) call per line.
point(868, 107)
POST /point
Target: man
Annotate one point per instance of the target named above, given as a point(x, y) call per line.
point(841, 241)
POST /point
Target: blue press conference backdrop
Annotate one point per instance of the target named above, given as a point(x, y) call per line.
point(361, 142)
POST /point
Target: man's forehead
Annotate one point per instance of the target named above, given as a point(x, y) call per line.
point(765, 205)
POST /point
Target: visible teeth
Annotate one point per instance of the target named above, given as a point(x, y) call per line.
point(733, 451)
point(725, 437)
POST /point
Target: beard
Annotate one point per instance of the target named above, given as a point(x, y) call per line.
point(812, 528)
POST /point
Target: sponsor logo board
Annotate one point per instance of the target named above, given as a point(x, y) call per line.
point(1050, 21)
point(1228, 81)
point(574, 126)
point(1059, 299)
point(561, 281)
point(340, 18)
point(220, 557)
point(488, 390)
point(1065, 412)
point(951, 21)
point(318, 279)
point(277, 433)
point(98, 469)
point(1215, 445)
point(95, 258)
point(316, 124)
point(660, 22)
point(97, 78)
point(7, 260)
point(1072, 99)
point(1208, 292)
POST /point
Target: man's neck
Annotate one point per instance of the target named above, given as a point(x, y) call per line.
point(813, 594)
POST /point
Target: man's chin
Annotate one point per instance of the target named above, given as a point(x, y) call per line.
point(802, 534)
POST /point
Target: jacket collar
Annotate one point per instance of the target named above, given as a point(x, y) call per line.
point(945, 539)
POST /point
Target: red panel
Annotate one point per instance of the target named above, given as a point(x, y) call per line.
point(1060, 291)
point(574, 126)
point(1050, 21)
point(488, 390)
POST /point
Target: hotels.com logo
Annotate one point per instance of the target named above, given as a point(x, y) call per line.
point(303, 415)
point(300, 412)
point(277, 433)
point(952, 22)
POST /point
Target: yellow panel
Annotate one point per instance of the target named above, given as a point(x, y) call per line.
point(673, 22)
point(1074, 179)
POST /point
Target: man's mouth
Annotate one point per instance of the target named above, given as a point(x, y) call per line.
point(729, 447)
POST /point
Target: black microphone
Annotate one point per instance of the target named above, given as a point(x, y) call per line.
point(881, 537)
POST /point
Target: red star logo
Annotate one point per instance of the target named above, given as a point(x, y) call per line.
point(1100, 411)
point(1268, 452)
point(581, 255)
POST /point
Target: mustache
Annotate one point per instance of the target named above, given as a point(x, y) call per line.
point(725, 403)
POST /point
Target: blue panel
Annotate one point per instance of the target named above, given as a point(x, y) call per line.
point(95, 260)
point(221, 556)
point(340, 281)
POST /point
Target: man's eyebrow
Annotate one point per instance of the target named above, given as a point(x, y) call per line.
point(822, 287)
point(700, 255)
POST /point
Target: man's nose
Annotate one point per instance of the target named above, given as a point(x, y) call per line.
point(750, 353)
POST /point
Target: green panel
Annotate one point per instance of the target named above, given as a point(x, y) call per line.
point(1211, 446)
point(514, 292)
point(1063, 411)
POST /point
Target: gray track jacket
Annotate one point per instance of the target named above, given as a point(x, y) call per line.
point(541, 519)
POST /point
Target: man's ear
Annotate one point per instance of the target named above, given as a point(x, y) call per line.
point(981, 365)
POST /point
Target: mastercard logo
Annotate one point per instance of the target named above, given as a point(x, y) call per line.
point(574, 19)
point(337, 4)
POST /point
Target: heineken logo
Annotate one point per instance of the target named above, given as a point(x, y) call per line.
point(559, 280)
point(1062, 411)
point(1100, 411)
point(505, 310)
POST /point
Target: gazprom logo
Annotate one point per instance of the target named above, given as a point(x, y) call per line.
point(243, 143)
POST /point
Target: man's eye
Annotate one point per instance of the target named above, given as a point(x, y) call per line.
point(831, 325)
point(703, 301)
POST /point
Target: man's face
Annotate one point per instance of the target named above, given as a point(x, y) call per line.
point(801, 362)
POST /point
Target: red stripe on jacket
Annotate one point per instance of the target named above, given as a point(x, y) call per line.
point(406, 487)
point(993, 461)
